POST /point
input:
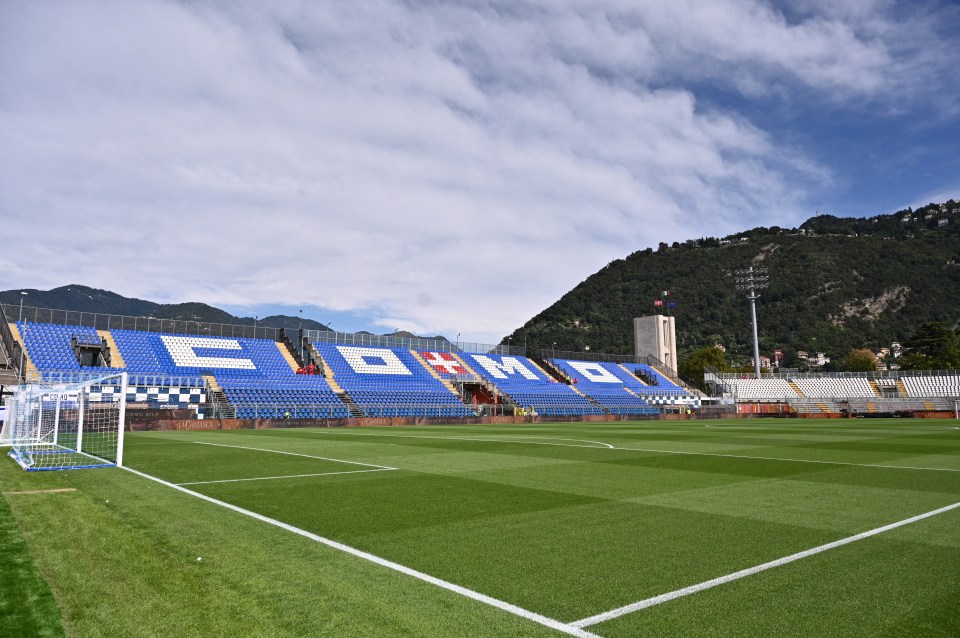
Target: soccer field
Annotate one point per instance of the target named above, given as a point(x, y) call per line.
point(746, 528)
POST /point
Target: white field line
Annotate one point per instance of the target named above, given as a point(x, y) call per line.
point(383, 562)
point(636, 449)
point(271, 478)
point(707, 584)
point(778, 458)
point(597, 445)
point(309, 456)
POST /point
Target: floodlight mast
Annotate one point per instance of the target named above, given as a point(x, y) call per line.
point(753, 279)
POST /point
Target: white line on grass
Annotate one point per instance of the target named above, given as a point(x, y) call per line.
point(270, 478)
point(778, 458)
point(637, 449)
point(707, 584)
point(309, 456)
point(383, 562)
point(596, 444)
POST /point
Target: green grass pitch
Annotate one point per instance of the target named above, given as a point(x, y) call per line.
point(566, 521)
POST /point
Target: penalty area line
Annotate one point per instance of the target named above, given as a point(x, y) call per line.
point(289, 476)
point(756, 569)
point(383, 562)
point(308, 456)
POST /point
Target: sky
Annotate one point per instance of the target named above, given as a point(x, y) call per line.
point(447, 167)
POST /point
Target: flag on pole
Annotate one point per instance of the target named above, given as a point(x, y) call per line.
point(666, 293)
point(658, 302)
point(672, 304)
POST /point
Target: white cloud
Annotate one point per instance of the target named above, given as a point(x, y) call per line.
point(444, 167)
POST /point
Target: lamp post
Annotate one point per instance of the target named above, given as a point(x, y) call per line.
point(753, 279)
point(458, 342)
point(22, 295)
point(554, 349)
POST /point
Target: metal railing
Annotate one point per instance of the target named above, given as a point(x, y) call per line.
point(133, 379)
point(576, 355)
point(104, 321)
point(409, 343)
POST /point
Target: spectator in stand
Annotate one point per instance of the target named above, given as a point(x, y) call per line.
point(311, 369)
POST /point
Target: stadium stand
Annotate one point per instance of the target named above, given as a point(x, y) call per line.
point(49, 346)
point(940, 385)
point(608, 384)
point(390, 382)
point(835, 387)
point(661, 385)
point(762, 389)
point(529, 387)
point(167, 369)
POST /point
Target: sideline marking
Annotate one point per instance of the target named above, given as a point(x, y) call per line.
point(309, 456)
point(383, 562)
point(707, 584)
point(637, 449)
point(598, 445)
point(776, 458)
point(57, 491)
point(270, 478)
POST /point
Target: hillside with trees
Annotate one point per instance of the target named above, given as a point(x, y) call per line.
point(836, 284)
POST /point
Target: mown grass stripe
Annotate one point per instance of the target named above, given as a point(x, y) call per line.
point(57, 491)
point(743, 573)
point(463, 591)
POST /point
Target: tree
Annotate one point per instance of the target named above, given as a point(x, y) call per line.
point(693, 367)
point(860, 360)
point(934, 346)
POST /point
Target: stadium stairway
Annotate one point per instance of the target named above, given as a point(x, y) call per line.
point(902, 389)
point(558, 373)
point(547, 374)
point(487, 385)
point(329, 376)
point(624, 368)
point(875, 388)
point(31, 370)
point(8, 375)
point(796, 388)
point(217, 401)
point(315, 357)
point(345, 398)
point(433, 372)
point(351, 404)
point(287, 356)
point(116, 359)
point(466, 366)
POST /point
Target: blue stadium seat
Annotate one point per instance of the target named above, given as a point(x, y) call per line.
point(529, 387)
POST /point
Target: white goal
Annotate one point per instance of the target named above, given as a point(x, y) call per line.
point(67, 425)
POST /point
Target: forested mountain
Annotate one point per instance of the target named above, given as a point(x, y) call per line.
point(84, 299)
point(835, 284)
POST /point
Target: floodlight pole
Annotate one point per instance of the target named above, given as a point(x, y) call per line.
point(753, 279)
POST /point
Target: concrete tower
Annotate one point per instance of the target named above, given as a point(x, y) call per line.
point(656, 335)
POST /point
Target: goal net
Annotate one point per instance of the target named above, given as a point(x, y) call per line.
point(67, 425)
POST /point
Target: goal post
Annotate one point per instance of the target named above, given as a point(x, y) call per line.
point(68, 425)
